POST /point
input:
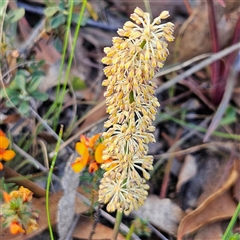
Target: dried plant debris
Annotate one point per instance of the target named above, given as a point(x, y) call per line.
point(162, 213)
point(66, 206)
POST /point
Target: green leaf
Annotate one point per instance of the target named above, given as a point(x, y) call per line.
point(58, 44)
point(75, 19)
point(50, 11)
point(33, 85)
point(40, 96)
point(78, 84)
point(4, 93)
point(16, 14)
point(24, 107)
point(38, 73)
point(11, 93)
point(20, 80)
point(14, 101)
point(58, 21)
point(229, 117)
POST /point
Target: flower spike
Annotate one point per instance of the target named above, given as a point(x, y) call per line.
point(131, 63)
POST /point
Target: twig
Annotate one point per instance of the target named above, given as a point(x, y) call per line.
point(197, 67)
point(174, 146)
point(33, 39)
point(73, 225)
point(156, 232)
point(34, 161)
point(166, 70)
point(196, 148)
point(49, 129)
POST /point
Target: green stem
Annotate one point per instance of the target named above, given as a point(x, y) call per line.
point(130, 232)
point(231, 224)
point(49, 182)
point(117, 225)
point(71, 56)
point(201, 129)
point(66, 37)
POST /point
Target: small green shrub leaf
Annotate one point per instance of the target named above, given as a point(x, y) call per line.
point(33, 85)
point(14, 101)
point(75, 19)
point(24, 107)
point(50, 11)
point(229, 117)
point(58, 21)
point(20, 80)
point(15, 15)
point(78, 84)
point(40, 96)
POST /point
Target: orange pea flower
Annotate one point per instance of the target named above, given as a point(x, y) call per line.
point(99, 153)
point(93, 167)
point(89, 142)
point(5, 154)
point(7, 198)
point(82, 161)
point(16, 228)
point(91, 152)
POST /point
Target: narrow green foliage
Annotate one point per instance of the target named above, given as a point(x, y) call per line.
point(228, 235)
point(49, 182)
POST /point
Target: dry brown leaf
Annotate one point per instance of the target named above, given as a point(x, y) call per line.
point(218, 206)
point(37, 190)
point(188, 170)
point(194, 36)
point(11, 118)
point(212, 231)
point(163, 213)
point(84, 228)
point(40, 204)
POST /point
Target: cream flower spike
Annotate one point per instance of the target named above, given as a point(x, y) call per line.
point(131, 63)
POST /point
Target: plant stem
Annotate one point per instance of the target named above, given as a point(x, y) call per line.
point(200, 129)
point(129, 235)
point(232, 222)
point(117, 225)
point(69, 65)
point(49, 182)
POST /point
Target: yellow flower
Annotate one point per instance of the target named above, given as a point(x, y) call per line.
point(5, 154)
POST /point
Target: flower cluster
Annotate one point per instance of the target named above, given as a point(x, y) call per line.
point(5, 154)
point(90, 151)
point(132, 62)
point(17, 211)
